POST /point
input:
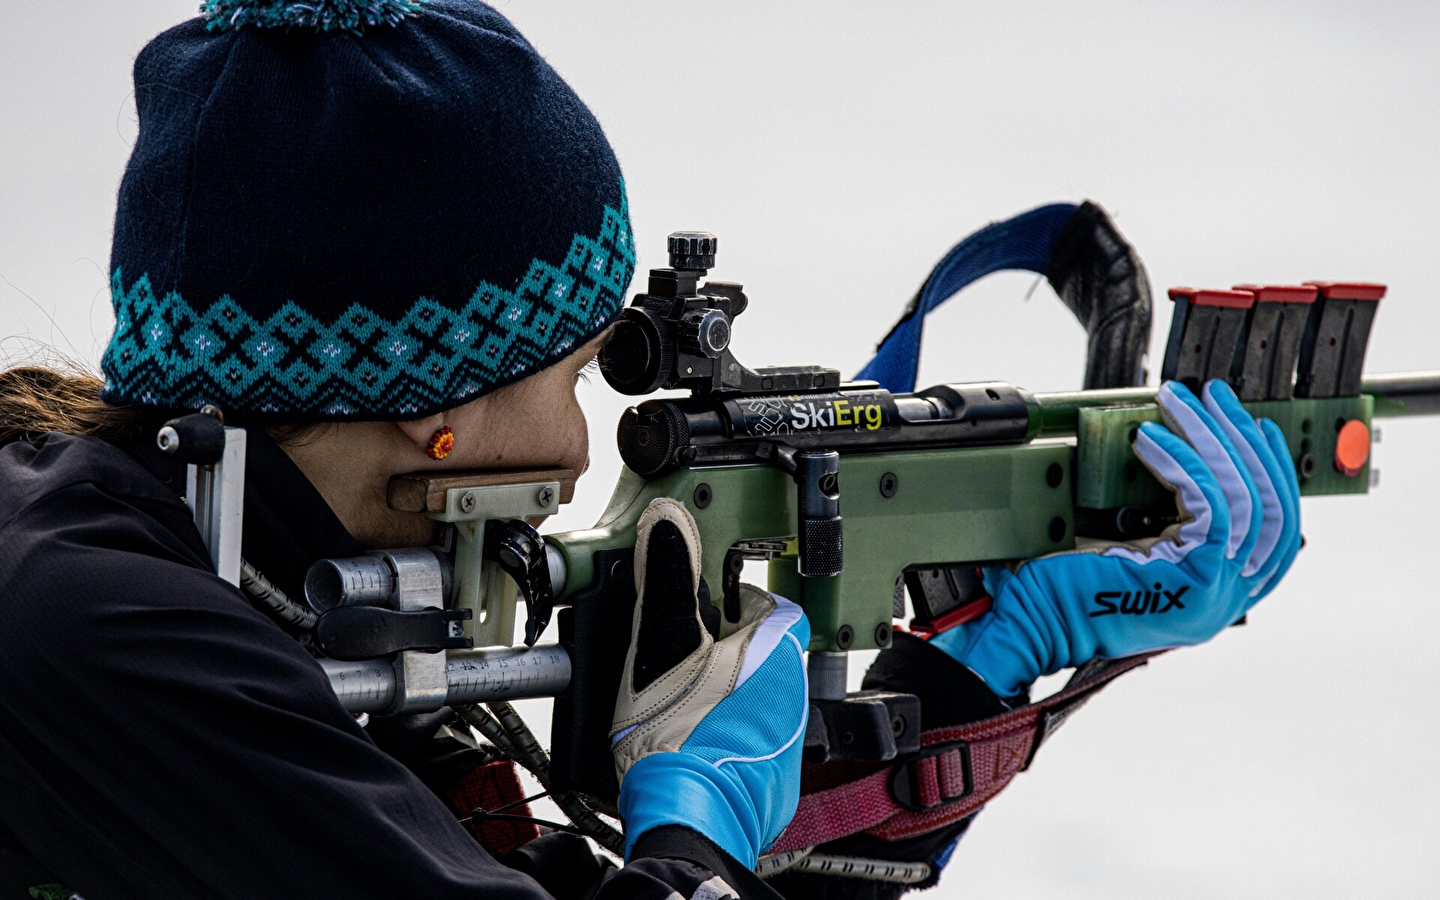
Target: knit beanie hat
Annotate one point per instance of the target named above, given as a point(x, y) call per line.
point(356, 210)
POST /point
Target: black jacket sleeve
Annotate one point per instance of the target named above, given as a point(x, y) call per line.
point(161, 738)
point(950, 694)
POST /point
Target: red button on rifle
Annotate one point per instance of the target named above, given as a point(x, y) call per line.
point(1352, 448)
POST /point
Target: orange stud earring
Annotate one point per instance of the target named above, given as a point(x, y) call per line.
point(441, 443)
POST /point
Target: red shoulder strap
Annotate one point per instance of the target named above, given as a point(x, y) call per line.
point(493, 786)
point(957, 771)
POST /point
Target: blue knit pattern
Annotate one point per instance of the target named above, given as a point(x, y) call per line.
point(363, 366)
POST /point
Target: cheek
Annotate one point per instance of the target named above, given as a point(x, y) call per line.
point(557, 430)
point(574, 435)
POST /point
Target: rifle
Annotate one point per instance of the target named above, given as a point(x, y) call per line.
point(933, 484)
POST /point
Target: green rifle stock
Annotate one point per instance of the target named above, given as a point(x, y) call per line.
point(854, 496)
point(904, 507)
point(921, 510)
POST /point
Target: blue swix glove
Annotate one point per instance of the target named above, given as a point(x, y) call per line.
point(1238, 532)
point(707, 734)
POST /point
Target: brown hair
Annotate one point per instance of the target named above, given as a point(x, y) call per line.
point(36, 399)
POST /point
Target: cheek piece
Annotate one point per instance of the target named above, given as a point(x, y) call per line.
point(707, 733)
point(1239, 530)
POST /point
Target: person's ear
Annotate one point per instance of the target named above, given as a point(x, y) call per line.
point(419, 431)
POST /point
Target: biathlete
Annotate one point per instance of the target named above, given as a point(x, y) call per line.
point(382, 236)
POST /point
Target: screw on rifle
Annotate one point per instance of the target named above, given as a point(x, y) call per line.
point(546, 496)
point(1307, 465)
point(1054, 475)
point(844, 637)
point(882, 634)
point(467, 502)
point(168, 439)
point(1057, 530)
point(702, 495)
point(889, 484)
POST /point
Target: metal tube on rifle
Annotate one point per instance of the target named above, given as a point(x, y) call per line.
point(1404, 393)
point(474, 676)
point(1396, 394)
point(1057, 414)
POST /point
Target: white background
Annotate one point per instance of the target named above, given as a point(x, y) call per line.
point(838, 150)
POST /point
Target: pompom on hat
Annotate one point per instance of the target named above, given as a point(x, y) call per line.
point(362, 210)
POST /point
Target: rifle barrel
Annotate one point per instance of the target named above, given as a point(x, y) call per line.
point(1058, 414)
point(1405, 393)
point(1396, 394)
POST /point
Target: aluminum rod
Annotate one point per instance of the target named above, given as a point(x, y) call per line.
point(474, 676)
point(1396, 394)
point(1404, 393)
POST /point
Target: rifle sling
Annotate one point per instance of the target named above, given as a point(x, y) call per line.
point(958, 770)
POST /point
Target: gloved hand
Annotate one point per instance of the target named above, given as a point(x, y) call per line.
point(1239, 530)
point(707, 734)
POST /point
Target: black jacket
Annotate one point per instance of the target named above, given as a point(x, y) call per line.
point(160, 737)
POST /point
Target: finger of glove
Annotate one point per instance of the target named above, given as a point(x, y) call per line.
point(1201, 539)
point(1290, 539)
point(1260, 463)
point(1187, 417)
point(668, 626)
point(735, 775)
point(1043, 620)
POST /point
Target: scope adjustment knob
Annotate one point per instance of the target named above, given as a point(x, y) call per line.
point(692, 250)
point(651, 437)
point(704, 331)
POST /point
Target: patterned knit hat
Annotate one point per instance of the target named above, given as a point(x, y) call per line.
point(356, 210)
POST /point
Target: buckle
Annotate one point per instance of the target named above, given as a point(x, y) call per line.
point(905, 780)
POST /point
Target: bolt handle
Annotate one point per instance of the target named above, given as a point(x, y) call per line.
point(692, 251)
point(520, 552)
